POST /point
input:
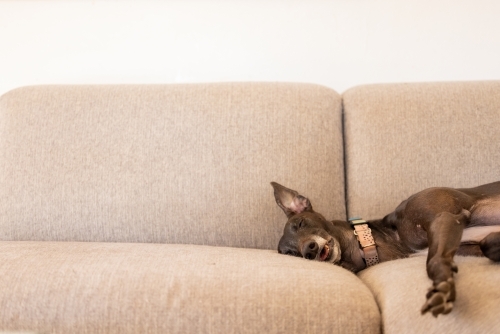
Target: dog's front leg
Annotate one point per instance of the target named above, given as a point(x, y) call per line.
point(444, 235)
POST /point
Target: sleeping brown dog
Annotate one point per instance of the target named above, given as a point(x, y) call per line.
point(446, 221)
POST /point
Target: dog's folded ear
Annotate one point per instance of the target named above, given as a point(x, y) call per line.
point(290, 201)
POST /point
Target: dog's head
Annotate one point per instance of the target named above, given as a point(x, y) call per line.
point(307, 233)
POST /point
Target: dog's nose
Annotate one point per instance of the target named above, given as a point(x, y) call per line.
point(310, 250)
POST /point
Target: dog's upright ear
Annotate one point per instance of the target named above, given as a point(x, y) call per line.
point(290, 201)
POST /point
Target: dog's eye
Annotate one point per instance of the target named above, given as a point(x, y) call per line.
point(301, 223)
point(297, 224)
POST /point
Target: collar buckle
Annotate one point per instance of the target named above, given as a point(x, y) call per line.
point(365, 238)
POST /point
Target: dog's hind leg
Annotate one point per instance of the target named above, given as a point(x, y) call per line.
point(444, 235)
point(490, 246)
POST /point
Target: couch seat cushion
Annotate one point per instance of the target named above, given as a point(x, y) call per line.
point(400, 287)
point(77, 287)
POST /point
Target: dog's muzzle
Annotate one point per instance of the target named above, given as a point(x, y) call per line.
point(321, 249)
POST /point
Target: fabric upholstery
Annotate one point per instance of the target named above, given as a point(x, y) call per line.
point(166, 163)
point(403, 138)
point(153, 174)
point(72, 287)
point(400, 287)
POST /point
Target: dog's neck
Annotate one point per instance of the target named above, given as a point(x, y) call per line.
point(352, 255)
point(387, 240)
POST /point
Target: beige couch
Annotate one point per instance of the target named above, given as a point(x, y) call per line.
point(148, 208)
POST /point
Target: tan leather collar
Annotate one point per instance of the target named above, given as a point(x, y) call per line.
point(366, 241)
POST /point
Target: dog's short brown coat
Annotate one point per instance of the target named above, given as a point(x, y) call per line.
point(433, 218)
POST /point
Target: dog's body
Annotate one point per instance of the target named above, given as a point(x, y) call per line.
point(434, 218)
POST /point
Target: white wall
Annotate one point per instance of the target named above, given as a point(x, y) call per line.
point(337, 43)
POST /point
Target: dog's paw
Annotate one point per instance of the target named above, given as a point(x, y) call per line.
point(440, 298)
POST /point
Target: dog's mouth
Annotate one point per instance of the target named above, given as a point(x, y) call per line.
point(321, 249)
point(330, 252)
point(325, 253)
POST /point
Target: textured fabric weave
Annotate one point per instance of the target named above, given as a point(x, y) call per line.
point(400, 287)
point(166, 163)
point(71, 287)
point(403, 138)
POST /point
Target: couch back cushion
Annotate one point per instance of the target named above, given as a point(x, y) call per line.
point(166, 163)
point(402, 138)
